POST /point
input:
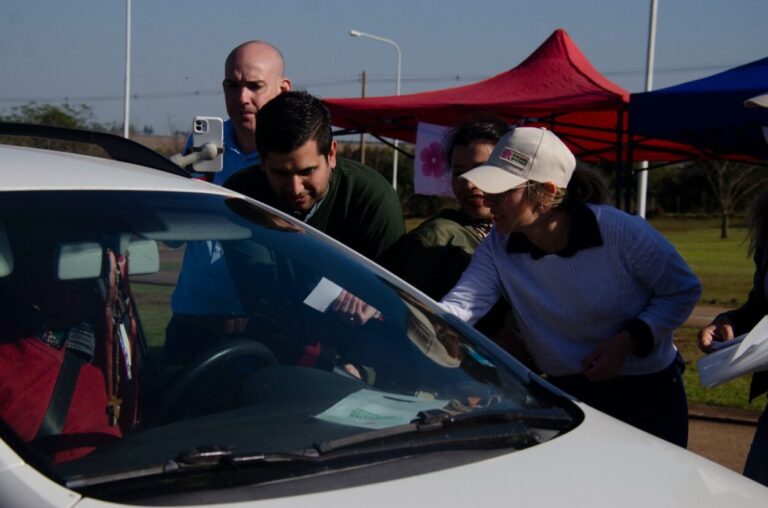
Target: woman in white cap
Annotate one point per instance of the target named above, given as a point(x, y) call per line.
point(597, 293)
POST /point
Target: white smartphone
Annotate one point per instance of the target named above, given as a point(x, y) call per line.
point(208, 129)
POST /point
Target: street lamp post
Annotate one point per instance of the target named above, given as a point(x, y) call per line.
point(127, 97)
point(357, 33)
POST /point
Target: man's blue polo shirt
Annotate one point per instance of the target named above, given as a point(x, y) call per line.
point(205, 287)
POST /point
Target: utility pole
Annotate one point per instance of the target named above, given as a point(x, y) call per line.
point(362, 134)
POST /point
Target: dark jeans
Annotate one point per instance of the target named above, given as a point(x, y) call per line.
point(757, 460)
point(654, 403)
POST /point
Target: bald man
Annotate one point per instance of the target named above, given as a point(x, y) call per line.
point(254, 74)
point(205, 305)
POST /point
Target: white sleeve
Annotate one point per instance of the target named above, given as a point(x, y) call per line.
point(478, 288)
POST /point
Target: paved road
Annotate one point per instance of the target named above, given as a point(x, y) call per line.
point(724, 443)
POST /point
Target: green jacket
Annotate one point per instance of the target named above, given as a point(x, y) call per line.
point(360, 210)
point(433, 256)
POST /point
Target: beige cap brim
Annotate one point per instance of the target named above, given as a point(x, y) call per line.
point(493, 180)
point(761, 101)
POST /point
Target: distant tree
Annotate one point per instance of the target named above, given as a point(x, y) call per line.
point(731, 184)
point(678, 188)
point(74, 116)
point(379, 157)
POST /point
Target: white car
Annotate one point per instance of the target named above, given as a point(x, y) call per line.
point(302, 406)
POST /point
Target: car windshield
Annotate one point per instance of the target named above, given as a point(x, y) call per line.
point(202, 326)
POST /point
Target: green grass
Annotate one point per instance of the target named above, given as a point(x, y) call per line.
point(154, 303)
point(723, 266)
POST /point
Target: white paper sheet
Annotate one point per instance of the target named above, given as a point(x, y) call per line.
point(750, 354)
point(377, 410)
point(323, 295)
point(756, 336)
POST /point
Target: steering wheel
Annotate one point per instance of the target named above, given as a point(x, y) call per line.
point(201, 366)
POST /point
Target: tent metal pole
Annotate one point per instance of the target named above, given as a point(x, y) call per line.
point(628, 165)
point(642, 180)
point(630, 161)
point(618, 165)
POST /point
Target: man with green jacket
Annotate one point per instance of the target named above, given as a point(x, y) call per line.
point(301, 174)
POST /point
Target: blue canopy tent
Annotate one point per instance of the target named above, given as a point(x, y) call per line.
point(707, 113)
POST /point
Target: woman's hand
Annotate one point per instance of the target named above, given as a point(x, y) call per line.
point(718, 330)
point(605, 361)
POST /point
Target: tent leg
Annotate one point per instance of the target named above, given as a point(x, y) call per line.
point(619, 151)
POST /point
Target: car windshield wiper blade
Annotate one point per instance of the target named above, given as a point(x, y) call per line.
point(435, 429)
point(199, 458)
point(554, 418)
point(517, 422)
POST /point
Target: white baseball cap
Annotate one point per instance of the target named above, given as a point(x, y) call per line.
point(761, 101)
point(523, 154)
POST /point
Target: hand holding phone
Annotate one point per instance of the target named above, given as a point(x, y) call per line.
point(208, 130)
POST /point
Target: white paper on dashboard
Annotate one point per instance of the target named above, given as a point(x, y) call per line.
point(377, 410)
point(323, 295)
point(756, 336)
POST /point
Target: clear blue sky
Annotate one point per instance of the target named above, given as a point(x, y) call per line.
point(52, 50)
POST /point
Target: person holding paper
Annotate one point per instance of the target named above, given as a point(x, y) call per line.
point(737, 322)
point(596, 293)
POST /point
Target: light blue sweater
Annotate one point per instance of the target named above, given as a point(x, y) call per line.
point(566, 305)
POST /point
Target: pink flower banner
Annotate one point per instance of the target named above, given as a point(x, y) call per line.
point(431, 173)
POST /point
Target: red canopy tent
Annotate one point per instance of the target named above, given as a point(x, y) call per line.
point(555, 87)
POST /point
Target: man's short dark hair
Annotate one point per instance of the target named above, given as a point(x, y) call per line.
point(291, 120)
point(485, 129)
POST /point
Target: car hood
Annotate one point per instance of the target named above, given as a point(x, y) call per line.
point(601, 463)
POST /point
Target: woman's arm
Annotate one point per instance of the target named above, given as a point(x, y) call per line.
point(478, 288)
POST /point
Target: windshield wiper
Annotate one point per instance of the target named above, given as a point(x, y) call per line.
point(431, 430)
point(199, 458)
point(517, 425)
point(554, 418)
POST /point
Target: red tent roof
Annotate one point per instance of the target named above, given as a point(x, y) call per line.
point(555, 87)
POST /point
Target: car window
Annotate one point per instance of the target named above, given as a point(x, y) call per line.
point(99, 282)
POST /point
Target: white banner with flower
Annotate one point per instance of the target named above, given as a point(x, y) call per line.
point(431, 174)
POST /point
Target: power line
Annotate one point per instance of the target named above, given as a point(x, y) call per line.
point(322, 83)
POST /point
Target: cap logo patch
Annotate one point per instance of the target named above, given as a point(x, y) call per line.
point(517, 159)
